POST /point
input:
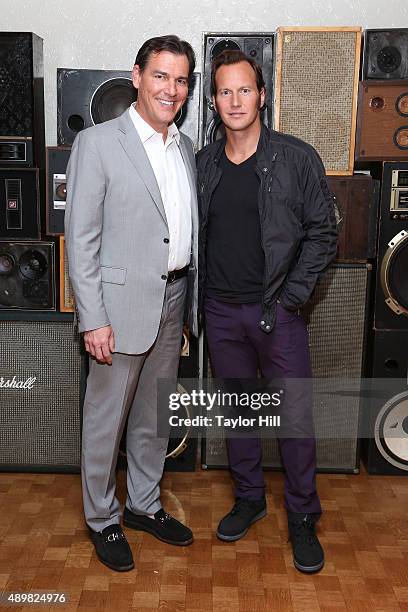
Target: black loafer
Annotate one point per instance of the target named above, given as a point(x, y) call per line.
point(112, 548)
point(164, 527)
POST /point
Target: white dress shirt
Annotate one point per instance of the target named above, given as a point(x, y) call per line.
point(171, 176)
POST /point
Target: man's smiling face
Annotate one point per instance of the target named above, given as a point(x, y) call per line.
point(162, 88)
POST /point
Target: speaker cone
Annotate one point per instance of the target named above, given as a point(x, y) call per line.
point(215, 130)
point(33, 264)
point(391, 431)
point(389, 59)
point(7, 264)
point(394, 278)
point(111, 99)
point(223, 45)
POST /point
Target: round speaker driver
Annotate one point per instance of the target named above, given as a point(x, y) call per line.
point(111, 99)
point(391, 431)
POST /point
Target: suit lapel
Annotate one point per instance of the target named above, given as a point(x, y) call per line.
point(134, 149)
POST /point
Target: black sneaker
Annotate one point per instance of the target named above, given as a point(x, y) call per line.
point(245, 512)
point(308, 555)
point(112, 548)
point(163, 526)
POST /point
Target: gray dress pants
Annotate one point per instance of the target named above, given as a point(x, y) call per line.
point(129, 386)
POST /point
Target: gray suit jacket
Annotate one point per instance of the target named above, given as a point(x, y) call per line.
point(115, 226)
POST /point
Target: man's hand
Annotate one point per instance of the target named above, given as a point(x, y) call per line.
point(100, 343)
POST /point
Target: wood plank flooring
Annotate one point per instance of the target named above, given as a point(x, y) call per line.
point(44, 546)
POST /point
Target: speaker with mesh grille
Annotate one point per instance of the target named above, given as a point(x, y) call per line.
point(316, 79)
point(385, 445)
point(89, 97)
point(42, 383)
point(27, 276)
point(255, 45)
point(57, 161)
point(336, 317)
point(66, 294)
point(391, 293)
point(382, 121)
point(385, 54)
point(21, 100)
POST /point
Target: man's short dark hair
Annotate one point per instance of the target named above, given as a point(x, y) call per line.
point(170, 43)
point(235, 56)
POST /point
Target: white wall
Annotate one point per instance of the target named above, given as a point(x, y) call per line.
point(106, 34)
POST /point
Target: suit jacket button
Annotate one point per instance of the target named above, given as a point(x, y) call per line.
point(166, 240)
point(163, 277)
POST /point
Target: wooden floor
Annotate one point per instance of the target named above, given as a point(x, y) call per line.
point(364, 530)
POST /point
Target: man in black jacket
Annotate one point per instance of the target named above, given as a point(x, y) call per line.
point(267, 234)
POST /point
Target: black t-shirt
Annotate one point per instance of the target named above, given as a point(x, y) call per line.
point(235, 258)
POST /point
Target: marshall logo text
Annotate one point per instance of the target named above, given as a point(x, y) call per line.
point(13, 383)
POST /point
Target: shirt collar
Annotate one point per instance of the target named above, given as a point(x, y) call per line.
point(146, 131)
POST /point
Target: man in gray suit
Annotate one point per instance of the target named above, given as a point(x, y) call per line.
point(131, 235)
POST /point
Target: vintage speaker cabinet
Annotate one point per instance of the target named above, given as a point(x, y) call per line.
point(43, 373)
point(316, 79)
point(382, 122)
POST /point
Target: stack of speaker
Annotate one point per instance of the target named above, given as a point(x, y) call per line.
point(357, 317)
point(382, 136)
point(42, 362)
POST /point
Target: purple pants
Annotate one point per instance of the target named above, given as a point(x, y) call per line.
point(238, 348)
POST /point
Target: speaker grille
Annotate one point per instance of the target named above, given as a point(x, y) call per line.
point(40, 426)
point(67, 301)
point(336, 321)
point(316, 84)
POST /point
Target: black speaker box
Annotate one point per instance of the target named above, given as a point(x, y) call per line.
point(20, 217)
point(88, 97)
point(385, 54)
point(57, 161)
point(43, 374)
point(391, 294)
point(385, 443)
point(257, 46)
point(22, 136)
point(27, 276)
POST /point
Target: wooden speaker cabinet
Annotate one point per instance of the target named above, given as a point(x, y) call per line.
point(382, 121)
point(67, 301)
point(357, 199)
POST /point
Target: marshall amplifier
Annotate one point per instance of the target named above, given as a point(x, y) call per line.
point(57, 161)
point(27, 280)
point(19, 204)
point(22, 136)
point(385, 54)
point(382, 121)
point(43, 373)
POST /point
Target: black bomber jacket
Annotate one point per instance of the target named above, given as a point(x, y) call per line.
point(297, 216)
